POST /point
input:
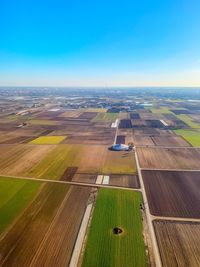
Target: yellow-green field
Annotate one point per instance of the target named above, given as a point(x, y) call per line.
point(192, 136)
point(48, 140)
point(44, 122)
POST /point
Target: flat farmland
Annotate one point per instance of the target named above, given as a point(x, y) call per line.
point(45, 233)
point(70, 114)
point(21, 192)
point(13, 139)
point(170, 141)
point(125, 123)
point(121, 139)
point(169, 158)
point(128, 133)
point(84, 178)
point(191, 136)
point(93, 136)
point(105, 117)
point(48, 140)
point(150, 131)
point(179, 243)
point(88, 115)
point(17, 160)
point(119, 162)
point(124, 180)
point(103, 247)
point(142, 140)
point(93, 159)
point(179, 191)
point(44, 122)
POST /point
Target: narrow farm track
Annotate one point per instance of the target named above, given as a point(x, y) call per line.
point(176, 170)
point(149, 217)
point(178, 219)
point(72, 183)
point(154, 218)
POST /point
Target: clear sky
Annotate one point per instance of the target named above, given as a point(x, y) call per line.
point(100, 42)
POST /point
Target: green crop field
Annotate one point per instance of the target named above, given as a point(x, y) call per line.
point(188, 121)
point(15, 194)
point(105, 117)
point(48, 140)
point(193, 137)
point(116, 208)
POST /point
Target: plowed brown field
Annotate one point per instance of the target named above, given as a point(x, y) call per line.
point(174, 194)
point(45, 233)
point(179, 243)
point(169, 158)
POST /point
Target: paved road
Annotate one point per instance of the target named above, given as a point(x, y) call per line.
point(181, 219)
point(79, 241)
point(149, 217)
point(176, 170)
point(167, 147)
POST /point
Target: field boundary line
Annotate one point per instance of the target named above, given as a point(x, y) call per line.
point(149, 219)
point(177, 219)
point(172, 170)
point(71, 183)
point(80, 238)
point(167, 147)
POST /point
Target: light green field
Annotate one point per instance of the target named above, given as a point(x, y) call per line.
point(15, 194)
point(48, 140)
point(161, 110)
point(188, 121)
point(105, 117)
point(116, 208)
point(193, 137)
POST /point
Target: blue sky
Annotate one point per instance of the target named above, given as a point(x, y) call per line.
point(112, 43)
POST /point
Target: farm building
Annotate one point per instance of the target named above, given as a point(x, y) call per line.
point(120, 147)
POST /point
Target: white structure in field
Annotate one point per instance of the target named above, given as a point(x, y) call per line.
point(120, 147)
point(115, 124)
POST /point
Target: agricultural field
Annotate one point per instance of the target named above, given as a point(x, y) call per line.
point(104, 247)
point(169, 158)
point(179, 191)
point(164, 110)
point(51, 161)
point(179, 243)
point(18, 160)
point(191, 136)
point(48, 140)
point(124, 180)
point(105, 117)
point(185, 118)
point(44, 122)
point(171, 141)
point(21, 192)
point(119, 162)
point(50, 223)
